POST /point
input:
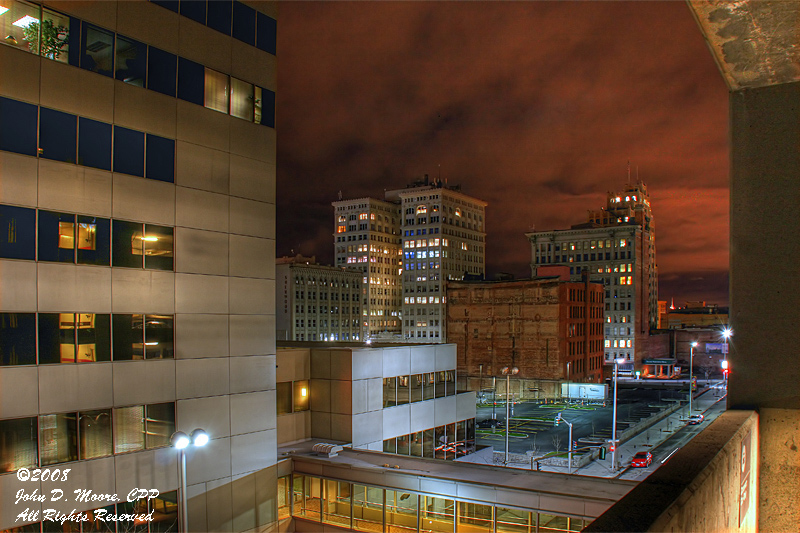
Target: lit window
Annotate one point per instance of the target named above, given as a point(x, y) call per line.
point(242, 99)
point(216, 91)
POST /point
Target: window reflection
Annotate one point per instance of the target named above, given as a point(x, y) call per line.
point(20, 442)
point(95, 434)
point(131, 65)
point(17, 339)
point(58, 438)
point(97, 51)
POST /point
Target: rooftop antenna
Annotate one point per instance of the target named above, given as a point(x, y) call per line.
point(637, 173)
point(439, 178)
point(340, 195)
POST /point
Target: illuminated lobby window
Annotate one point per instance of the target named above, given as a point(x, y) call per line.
point(74, 337)
point(143, 337)
point(64, 238)
point(137, 245)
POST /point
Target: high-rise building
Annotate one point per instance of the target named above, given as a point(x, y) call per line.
point(137, 207)
point(316, 302)
point(408, 245)
point(616, 246)
point(367, 237)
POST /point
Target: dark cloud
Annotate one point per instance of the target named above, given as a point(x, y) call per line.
point(535, 107)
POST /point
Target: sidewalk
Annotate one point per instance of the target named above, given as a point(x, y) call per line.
point(646, 440)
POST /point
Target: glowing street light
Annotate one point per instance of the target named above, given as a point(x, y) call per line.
point(180, 441)
point(508, 372)
point(617, 362)
point(691, 364)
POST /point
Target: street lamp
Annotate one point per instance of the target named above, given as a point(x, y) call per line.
point(617, 362)
point(727, 333)
point(508, 372)
point(558, 419)
point(691, 363)
point(180, 441)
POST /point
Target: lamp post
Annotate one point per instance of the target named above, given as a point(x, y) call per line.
point(494, 398)
point(558, 419)
point(180, 441)
point(507, 372)
point(480, 383)
point(691, 362)
point(617, 362)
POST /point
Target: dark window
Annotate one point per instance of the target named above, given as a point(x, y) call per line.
point(94, 143)
point(17, 232)
point(162, 71)
point(219, 15)
point(160, 424)
point(131, 66)
point(94, 240)
point(128, 151)
point(244, 23)
point(18, 124)
point(195, 10)
point(267, 32)
point(172, 5)
point(59, 438)
point(191, 79)
point(97, 50)
point(20, 447)
point(127, 246)
point(158, 337)
point(56, 237)
point(74, 52)
point(74, 337)
point(128, 337)
point(17, 339)
point(158, 247)
point(268, 108)
point(160, 158)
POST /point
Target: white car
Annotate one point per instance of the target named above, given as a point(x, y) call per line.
point(694, 419)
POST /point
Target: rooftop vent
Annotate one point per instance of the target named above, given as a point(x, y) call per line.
point(331, 450)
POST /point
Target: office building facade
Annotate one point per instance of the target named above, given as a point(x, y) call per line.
point(137, 203)
point(617, 248)
point(317, 302)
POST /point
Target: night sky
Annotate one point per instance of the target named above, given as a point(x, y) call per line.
point(534, 107)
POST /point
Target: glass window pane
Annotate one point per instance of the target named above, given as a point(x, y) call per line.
point(219, 16)
point(160, 424)
point(95, 434)
point(136, 507)
point(131, 66)
point(20, 25)
point(283, 497)
point(158, 337)
point(267, 107)
point(428, 443)
point(157, 242)
point(514, 521)
point(401, 511)
point(257, 104)
point(94, 240)
point(415, 444)
point(242, 99)
point(440, 384)
point(19, 123)
point(162, 71)
point(300, 395)
point(94, 143)
point(127, 245)
point(298, 487)
point(283, 397)
point(367, 508)
point(17, 231)
point(56, 237)
point(172, 5)
point(416, 388)
point(389, 392)
point(216, 91)
point(160, 161)
point(58, 135)
point(165, 512)
point(58, 437)
point(55, 35)
point(17, 339)
point(195, 11)
point(402, 444)
point(56, 338)
point(191, 78)
point(312, 492)
point(336, 509)
point(450, 382)
point(129, 429)
point(428, 386)
point(244, 23)
point(549, 523)
point(128, 337)
point(266, 33)
point(20, 444)
point(99, 526)
point(97, 50)
point(390, 445)
point(403, 393)
point(474, 517)
point(128, 151)
point(94, 337)
point(436, 514)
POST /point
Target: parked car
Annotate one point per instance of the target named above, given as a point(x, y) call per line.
point(695, 419)
point(642, 459)
point(489, 423)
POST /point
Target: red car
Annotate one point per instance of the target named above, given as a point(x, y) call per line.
point(642, 459)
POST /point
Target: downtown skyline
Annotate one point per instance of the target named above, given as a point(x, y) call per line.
point(533, 107)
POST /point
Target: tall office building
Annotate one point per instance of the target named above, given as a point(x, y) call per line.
point(367, 235)
point(408, 245)
point(137, 206)
point(316, 302)
point(616, 246)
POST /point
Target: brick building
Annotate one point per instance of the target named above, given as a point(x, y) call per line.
point(550, 328)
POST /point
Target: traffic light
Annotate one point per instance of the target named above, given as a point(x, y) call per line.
point(555, 421)
point(602, 452)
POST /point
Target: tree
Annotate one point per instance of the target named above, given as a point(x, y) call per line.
point(557, 442)
point(53, 38)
